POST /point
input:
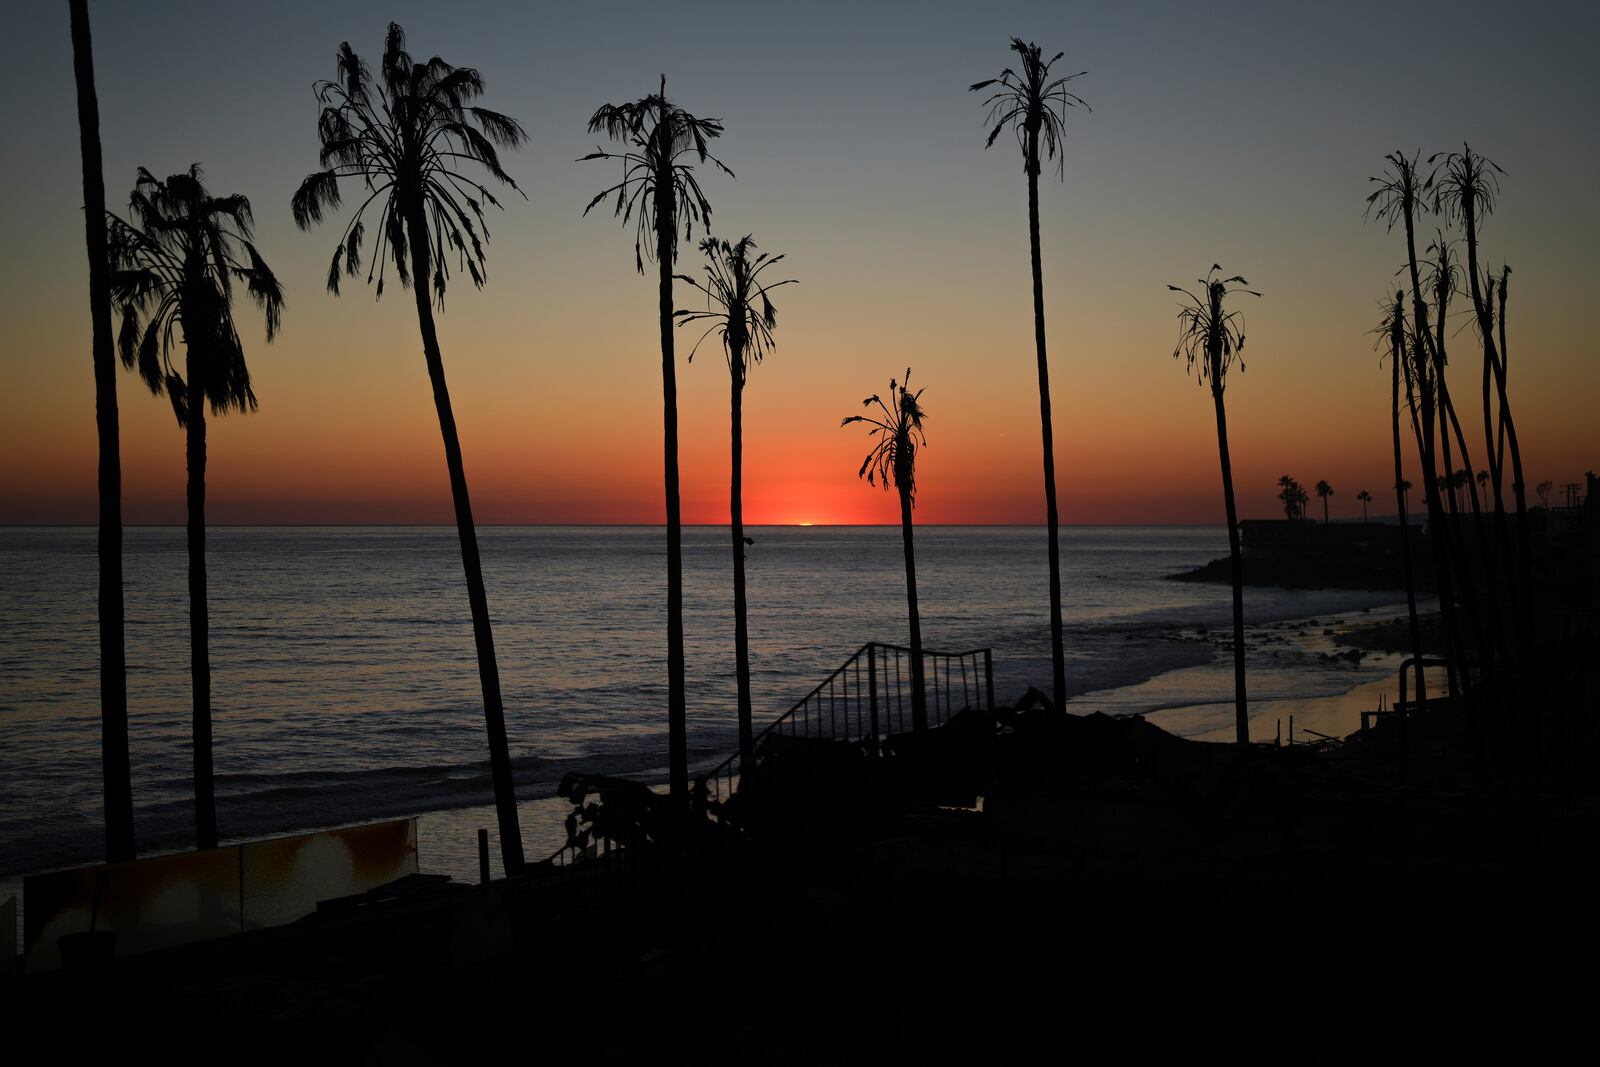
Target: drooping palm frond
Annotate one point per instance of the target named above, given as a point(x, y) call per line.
point(409, 135)
point(1400, 192)
point(657, 134)
point(898, 433)
point(173, 269)
point(1031, 102)
point(1463, 181)
point(1210, 338)
point(737, 304)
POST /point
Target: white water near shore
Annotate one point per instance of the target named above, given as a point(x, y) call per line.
point(345, 686)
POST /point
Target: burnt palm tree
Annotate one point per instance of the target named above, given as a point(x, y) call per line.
point(113, 656)
point(1365, 498)
point(1033, 105)
point(1324, 490)
point(740, 311)
point(405, 137)
point(1211, 341)
point(174, 272)
point(660, 194)
point(896, 429)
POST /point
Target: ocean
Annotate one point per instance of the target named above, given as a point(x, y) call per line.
point(345, 687)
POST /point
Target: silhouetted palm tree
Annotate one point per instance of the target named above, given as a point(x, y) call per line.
point(1033, 105)
point(1211, 340)
point(664, 193)
point(1365, 498)
point(404, 136)
point(1467, 187)
point(741, 312)
point(1324, 490)
point(1392, 331)
point(113, 656)
point(897, 428)
point(1290, 493)
point(174, 275)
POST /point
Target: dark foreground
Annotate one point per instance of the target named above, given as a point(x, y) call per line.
point(1119, 889)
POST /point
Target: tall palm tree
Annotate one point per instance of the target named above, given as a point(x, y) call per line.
point(1033, 105)
point(1392, 331)
point(665, 195)
point(1365, 498)
point(740, 311)
point(896, 429)
point(175, 270)
point(113, 656)
point(1211, 341)
point(1467, 188)
point(405, 136)
point(1324, 490)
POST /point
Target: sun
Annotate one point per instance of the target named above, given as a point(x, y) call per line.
point(807, 524)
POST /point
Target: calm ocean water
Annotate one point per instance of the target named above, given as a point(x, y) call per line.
point(345, 685)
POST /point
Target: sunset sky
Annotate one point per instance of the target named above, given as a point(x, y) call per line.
point(1234, 133)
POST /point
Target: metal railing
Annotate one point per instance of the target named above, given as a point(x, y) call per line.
point(868, 699)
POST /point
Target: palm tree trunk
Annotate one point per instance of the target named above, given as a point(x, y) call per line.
point(205, 793)
point(677, 702)
point(741, 631)
point(1235, 555)
point(1058, 661)
point(113, 656)
point(505, 799)
point(1395, 357)
point(919, 693)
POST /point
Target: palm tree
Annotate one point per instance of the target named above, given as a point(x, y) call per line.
point(897, 431)
point(1033, 106)
point(1289, 492)
point(1392, 331)
point(174, 272)
point(664, 193)
point(1211, 341)
point(113, 656)
point(1324, 490)
point(405, 136)
point(739, 310)
point(1365, 498)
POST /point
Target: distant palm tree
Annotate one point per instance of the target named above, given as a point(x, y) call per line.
point(404, 135)
point(113, 656)
point(1033, 105)
point(665, 195)
point(1211, 341)
point(1290, 493)
point(174, 273)
point(1365, 498)
point(1543, 490)
point(738, 309)
point(897, 428)
point(1324, 490)
point(1405, 487)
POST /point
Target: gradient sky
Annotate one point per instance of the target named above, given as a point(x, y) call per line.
point(1236, 133)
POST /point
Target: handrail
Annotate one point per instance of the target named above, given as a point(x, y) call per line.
point(876, 714)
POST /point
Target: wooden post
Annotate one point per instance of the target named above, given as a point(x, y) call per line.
point(483, 856)
point(872, 694)
point(988, 677)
